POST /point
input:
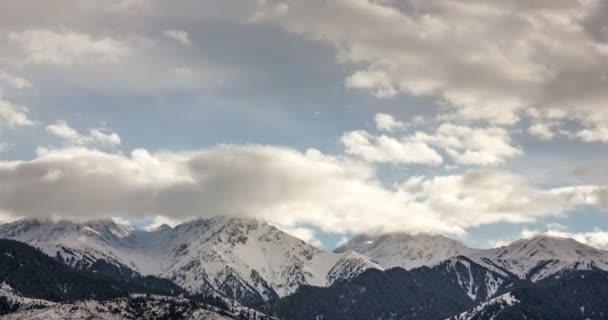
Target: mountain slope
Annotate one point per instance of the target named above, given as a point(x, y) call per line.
point(476, 281)
point(542, 256)
point(33, 274)
point(405, 250)
point(391, 294)
point(577, 295)
point(133, 307)
point(246, 260)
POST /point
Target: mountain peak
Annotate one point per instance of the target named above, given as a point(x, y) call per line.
point(406, 250)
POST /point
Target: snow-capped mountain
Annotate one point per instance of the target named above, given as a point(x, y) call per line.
point(532, 259)
point(405, 250)
point(542, 256)
point(247, 260)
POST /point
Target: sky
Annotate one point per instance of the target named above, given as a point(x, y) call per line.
point(482, 121)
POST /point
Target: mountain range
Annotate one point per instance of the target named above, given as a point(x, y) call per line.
point(252, 263)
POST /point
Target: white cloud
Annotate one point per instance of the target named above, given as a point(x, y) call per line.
point(67, 47)
point(14, 115)
point(307, 235)
point(110, 139)
point(280, 185)
point(489, 196)
point(387, 122)
point(542, 131)
point(161, 220)
point(14, 81)
point(598, 133)
point(471, 146)
point(62, 130)
point(491, 61)
point(386, 149)
point(180, 36)
point(71, 136)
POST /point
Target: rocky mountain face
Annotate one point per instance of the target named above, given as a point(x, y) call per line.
point(105, 265)
point(542, 256)
point(476, 281)
point(528, 259)
point(406, 251)
point(246, 260)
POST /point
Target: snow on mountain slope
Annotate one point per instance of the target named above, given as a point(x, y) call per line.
point(489, 309)
point(478, 282)
point(542, 256)
point(350, 265)
point(405, 250)
point(77, 244)
point(256, 253)
point(243, 259)
point(134, 307)
point(13, 300)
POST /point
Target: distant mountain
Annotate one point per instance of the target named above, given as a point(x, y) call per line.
point(104, 270)
point(529, 259)
point(542, 256)
point(406, 251)
point(246, 260)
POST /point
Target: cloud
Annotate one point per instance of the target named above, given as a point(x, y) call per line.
point(180, 36)
point(159, 221)
point(14, 81)
point(307, 235)
point(471, 146)
point(14, 115)
point(62, 130)
point(490, 61)
point(488, 196)
point(387, 122)
point(110, 139)
point(386, 149)
point(542, 131)
point(67, 47)
point(280, 185)
point(598, 133)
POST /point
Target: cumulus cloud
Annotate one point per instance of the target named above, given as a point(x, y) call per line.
point(489, 196)
point(471, 146)
point(387, 122)
point(63, 130)
point(280, 185)
point(386, 149)
point(490, 61)
point(542, 131)
point(67, 47)
point(14, 115)
point(14, 81)
point(180, 36)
